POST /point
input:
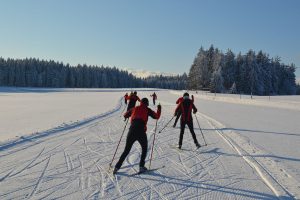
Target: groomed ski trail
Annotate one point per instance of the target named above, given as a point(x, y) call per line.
point(72, 164)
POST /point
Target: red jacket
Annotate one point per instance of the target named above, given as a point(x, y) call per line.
point(154, 96)
point(186, 106)
point(180, 99)
point(142, 112)
point(133, 98)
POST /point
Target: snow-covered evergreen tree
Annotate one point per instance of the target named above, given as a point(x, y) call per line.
point(228, 70)
point(251, 73)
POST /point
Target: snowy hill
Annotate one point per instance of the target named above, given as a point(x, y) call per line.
point(252, 150)
point(146, 73)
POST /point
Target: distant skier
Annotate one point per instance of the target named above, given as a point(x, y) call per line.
point(137, 131)
point(179, 100)
point(154, 97)
point(185, 107)
point(132, 100)
point(125, 98)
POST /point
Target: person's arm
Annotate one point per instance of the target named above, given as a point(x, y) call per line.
point(193, 98)
point(179, 100)
point(194, 109)
point(177, 109)
point(128, 113)
point(138, 98)
point(153, 114)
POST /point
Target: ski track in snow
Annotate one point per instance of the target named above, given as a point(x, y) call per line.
point(73, 163)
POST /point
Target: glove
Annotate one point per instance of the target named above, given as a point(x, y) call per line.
point(159, 107)
point(194, 111)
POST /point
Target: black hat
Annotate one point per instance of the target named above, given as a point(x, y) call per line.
point(134, 92)
point(186, 94)
point(145, 101)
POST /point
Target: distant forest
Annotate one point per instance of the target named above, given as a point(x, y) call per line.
point(252, 73)
point(31, 72)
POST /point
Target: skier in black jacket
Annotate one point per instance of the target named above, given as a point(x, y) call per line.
point(185, 107)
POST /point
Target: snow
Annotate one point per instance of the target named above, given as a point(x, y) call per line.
point(252, 150)
point(31, 110)
point(35, 111)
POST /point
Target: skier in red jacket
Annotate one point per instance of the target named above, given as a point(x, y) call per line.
point(185, 107)
point(137, 131)
point(179, 100)
point(125, 98)
point(154, 97)
point(132, 100)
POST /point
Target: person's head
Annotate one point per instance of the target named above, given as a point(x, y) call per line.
point(145, 101)
point(186, 96)
point(135, 92)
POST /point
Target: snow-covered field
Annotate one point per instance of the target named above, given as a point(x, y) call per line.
point(252, 153)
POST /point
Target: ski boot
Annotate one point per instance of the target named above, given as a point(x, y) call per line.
point(143, 169)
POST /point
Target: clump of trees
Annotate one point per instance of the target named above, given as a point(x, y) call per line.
point(298, 89)
point(31, 72)
point(178, 82)
point(252, 73)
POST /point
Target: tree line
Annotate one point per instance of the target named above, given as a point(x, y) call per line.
point(252, 73)
point(31, 72)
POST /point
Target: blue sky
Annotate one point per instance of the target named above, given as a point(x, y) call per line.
point(156, 35)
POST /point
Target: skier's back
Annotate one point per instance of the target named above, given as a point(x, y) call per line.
point(154, 97)
point(137, 131)
point(178, 114)
point(126, 98)
point(185, 107)
point(133, 98)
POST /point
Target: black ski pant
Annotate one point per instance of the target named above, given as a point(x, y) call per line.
point(153, 101)
point(130, 105)
point(136, 133)
point(191, 127)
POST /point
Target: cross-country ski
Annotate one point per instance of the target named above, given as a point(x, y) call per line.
point(147, 171)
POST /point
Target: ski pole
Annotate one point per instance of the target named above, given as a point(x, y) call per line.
point(153, 144)
point(166, 124)
point(200, 130)
point(110, 165)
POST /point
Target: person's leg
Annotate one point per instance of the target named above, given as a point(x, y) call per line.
point(176, 119)
point(129, 142)
point(144, 144)
point(191, 127)
point(182, 127)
